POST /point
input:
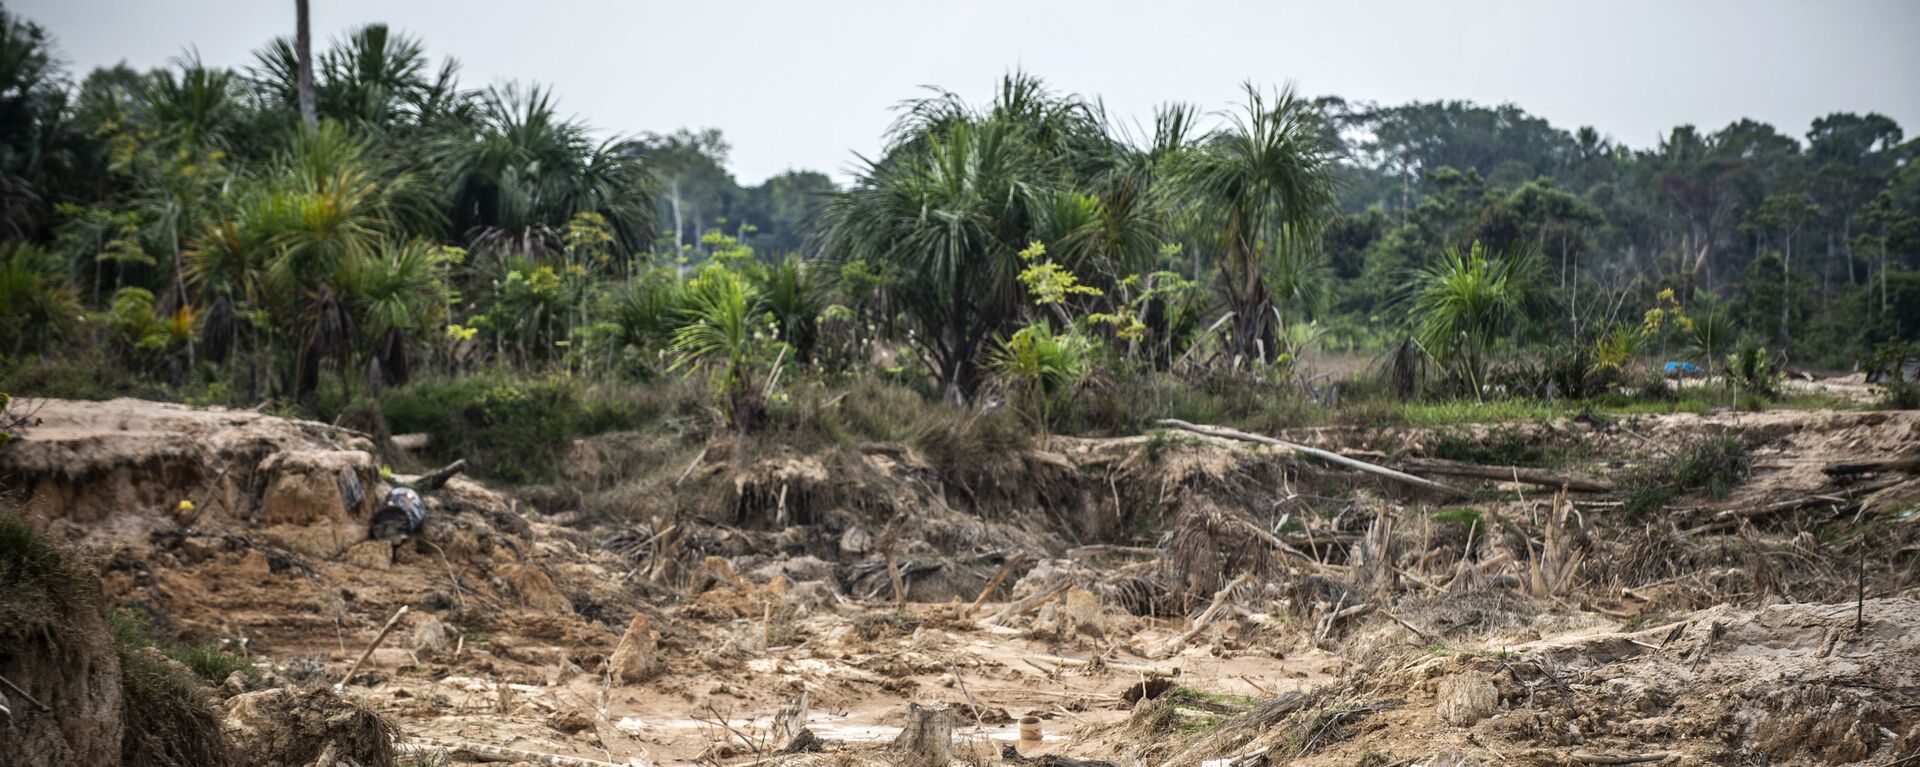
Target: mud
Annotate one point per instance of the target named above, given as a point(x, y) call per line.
point(750, 596)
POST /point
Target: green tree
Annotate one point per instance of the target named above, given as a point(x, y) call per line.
point(1264, 179)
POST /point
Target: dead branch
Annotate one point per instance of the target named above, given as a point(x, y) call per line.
point(485, 753)
point(1909, 464)
point(1521, 474)
point(1585, 757)
point(1219, 600)
point(1029, 604)
point(371, 646)
point(1314, 452)
point(993, 584)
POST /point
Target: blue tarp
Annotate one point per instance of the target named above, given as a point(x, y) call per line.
point(1676, 366)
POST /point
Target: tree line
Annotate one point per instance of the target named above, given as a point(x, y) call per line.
point(347, 220)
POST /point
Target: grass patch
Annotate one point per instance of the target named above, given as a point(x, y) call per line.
point(1711, 465)
point(1466, 518)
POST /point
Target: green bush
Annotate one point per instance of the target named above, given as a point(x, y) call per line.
point(515, 430)
point(1712, 464)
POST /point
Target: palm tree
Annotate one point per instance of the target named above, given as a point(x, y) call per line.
point(516, 178)
point(1265, 178)
point(38, 304)
point(961, 191)
point(401, 297)
point(1459, 303)
point(720, 311)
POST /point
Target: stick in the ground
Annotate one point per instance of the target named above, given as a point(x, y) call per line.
point(1314, 452)
point(1219, 600)
point(998, 578)
point(371, 646)
point(690, 467)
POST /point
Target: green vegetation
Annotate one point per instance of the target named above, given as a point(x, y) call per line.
point(413, 253)
point(1711, 465)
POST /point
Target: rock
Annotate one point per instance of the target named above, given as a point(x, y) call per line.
point(856, 541)
point(1082, 612)
point(430, 636)
point(634, 660)
point(570, 720)
point(373, 555)
point(1466, 699)
point(534, 589)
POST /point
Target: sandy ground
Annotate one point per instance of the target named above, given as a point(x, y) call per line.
point(1665, 636)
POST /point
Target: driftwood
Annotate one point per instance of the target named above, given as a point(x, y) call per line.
point(1519, 474)
point(1117, 665)
point(1219, 600)
point(1909, 464)
point(481, 752)
point(1584, 757)
point(1314, 452)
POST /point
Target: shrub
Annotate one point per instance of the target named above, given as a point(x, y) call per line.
point(1751, 372)
point(515, 430)
point(1712, 464)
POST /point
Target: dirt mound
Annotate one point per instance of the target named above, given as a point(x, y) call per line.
point(1788, 684)
point(58, 654)
point(286, 728)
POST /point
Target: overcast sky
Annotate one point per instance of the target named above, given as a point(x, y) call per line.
point(807, 84)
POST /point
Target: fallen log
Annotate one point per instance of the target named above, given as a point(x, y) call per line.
point(1316, 453)
point(1909, 464)
point(1521, 474)
point(1584, 757)
point(481, 752)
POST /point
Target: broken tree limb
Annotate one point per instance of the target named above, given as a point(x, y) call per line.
point(1584, 757)
point(1314, 452)
point(482, 752)
point(1521, 474)
point(371, 646)
point(1031, 603)
point(1910, 464)
point(1334, 618)
point(998, 578)
point(1117, 665)
point(438, 478)
point(1219, 600)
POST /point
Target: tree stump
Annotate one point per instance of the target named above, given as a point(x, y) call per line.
point(927, 738)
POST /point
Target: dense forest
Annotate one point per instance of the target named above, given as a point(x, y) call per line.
point(357, 228)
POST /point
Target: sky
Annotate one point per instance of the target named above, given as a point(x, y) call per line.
point(807, 85)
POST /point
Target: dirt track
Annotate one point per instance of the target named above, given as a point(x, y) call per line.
point(1383, 636)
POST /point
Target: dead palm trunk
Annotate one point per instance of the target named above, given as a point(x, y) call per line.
point(303, 46)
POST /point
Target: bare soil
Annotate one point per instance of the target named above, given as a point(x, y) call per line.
point(1775, 624)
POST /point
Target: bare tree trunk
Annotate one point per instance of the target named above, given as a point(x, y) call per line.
point(303, 47)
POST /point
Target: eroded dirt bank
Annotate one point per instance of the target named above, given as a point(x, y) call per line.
point(1171, 599)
